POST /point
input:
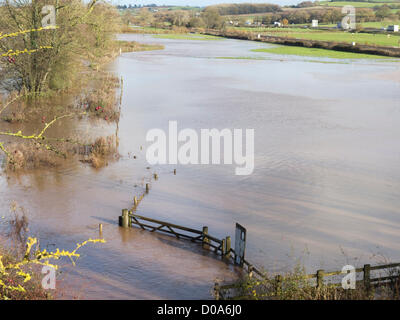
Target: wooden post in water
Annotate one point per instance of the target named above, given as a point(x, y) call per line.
point(216, 291)
point(227, 247)
point(367, 278)
point(320, 278)
point(206, 241)
point(278, 284)
point(251, 268)
point(155, 176)
point(147, 188)
point(125, 218)
point(100, 228)
point(175, 172)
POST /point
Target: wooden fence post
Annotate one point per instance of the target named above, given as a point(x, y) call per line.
point(278, 284)
point(135, 201)
point(223, 248)
point(227, 247)
point(216, 291)
point(320, 278)
point(206, 241)
point(147, 188)
point(251, 268)
point(367, 278)
point(125, 218)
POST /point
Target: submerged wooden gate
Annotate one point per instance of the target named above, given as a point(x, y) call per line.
point(222, 247)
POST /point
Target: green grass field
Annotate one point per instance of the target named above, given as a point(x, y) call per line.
point(321, 53)
point(355, 4)
point(187, 36)
point(336, 36)
point(377, 24)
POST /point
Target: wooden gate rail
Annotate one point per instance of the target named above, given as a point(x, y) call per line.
point(221, 291)
point(129, 219)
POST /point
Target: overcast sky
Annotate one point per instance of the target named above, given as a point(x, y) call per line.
point(202, 3)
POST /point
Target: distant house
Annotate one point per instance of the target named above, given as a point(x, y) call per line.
point(314, 24)
point(394, 28)
point(277, 24)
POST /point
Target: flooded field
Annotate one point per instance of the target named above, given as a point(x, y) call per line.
point(325, 189)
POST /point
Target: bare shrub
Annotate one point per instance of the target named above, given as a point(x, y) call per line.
point(30, 155)
point(18, 226)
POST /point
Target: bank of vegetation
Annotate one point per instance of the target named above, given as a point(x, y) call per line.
point(296, 285)
point(370, 282)
point(53, 77)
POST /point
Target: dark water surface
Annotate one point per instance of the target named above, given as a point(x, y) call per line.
point(326, 184)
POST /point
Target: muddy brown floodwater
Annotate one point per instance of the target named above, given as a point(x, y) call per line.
point(325, 189)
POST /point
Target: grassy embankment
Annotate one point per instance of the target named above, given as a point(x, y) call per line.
point(381, 40)
point(334, 36)
point(370, 24)
point(320, 53)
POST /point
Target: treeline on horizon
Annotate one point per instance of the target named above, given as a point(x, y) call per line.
point(210, 17)
point(245, 8)
point(232, 9)
point(152, 5)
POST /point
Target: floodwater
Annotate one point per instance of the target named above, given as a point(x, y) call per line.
point(325, 190)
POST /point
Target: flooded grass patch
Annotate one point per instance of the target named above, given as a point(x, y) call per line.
point(314, 52)
point(332, 36)
point(188, 36)
point(242, 58)
point(133, 46)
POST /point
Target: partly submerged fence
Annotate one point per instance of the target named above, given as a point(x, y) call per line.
point(223, 248)
point(231, 291)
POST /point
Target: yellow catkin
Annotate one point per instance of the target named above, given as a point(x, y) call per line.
point(39, 257)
